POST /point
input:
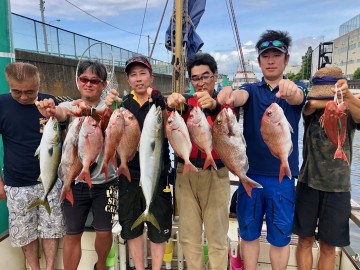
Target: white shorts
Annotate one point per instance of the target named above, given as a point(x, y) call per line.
point(26, 225)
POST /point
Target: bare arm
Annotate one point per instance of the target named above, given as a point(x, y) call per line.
point(353, 101)
point(2, 190)
point(230, 97)
point(312, 105)
point(289, 91)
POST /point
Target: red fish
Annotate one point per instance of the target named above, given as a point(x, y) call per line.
point(276, 132)
point(343, 115)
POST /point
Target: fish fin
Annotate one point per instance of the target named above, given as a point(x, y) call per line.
point(290, 127)
point(44, 203)
point(105, 170)
point(124, 171)
point(68, 195)
point(85, 175)
point(51, 151)
point(209, 161)
point(284, 170)
point(188, 166)
point(37, 152)
point(341, 154)
point(249, 184)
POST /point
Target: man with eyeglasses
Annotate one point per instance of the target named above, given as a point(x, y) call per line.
point(275, 199)
point(202, 197)
point(91, 80)
point(21, 127)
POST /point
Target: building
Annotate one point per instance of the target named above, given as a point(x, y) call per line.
point(343, 52)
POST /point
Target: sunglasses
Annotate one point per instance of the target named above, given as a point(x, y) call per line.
point(274, 43)
point(92, 81)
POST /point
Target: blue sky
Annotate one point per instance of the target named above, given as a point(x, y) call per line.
point(309, 22)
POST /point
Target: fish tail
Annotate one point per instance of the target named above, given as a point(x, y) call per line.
point(68, 195)
point(209, 161)
point(85, 175)
point(39, 202)
point(105, 171)
point(124, 170)
point(341, 154)
point(249, 184)
point(146, 217)
point(188, 166)
point(284, 170)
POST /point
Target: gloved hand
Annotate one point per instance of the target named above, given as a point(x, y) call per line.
point(158, 99)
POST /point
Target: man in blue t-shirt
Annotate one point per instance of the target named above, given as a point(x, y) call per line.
point(21, 127)
point(275, 199)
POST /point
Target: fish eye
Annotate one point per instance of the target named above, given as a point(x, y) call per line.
point(269, 113)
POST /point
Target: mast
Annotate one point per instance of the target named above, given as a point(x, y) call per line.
point(178, 78)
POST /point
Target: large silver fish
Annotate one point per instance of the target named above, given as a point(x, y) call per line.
point(150, 152)
point(49, 153)
point(230, 145)
point(70, 165)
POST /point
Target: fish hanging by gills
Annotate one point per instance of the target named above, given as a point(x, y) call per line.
point(276, 132)
point(151, 154)
point(230, 145)
point(49, 153)
point(200, 133)
point(70, 164)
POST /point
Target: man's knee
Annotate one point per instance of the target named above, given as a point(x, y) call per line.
point(306, 242)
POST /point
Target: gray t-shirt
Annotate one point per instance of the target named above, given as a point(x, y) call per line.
point(96, 176)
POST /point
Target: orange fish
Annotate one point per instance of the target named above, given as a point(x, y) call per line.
point(230, 145)
point(343, 115)
point(129, 142)
point(276, 132)
point(200, 133)
point(334, 121)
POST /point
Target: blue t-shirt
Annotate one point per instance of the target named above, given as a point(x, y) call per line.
point(21, 127)
point(261, 161)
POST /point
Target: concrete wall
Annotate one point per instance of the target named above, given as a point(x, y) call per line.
point(57, 75)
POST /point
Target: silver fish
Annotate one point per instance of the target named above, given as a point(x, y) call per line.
point(150, 152)
point(49, 153)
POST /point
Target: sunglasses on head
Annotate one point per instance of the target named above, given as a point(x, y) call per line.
point(274, 43)
point(92, 81)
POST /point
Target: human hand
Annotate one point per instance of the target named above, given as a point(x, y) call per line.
point(175, 100)
point(46, 107)
point(226, 97)
point(2, 191)
point(205, 101)
point(112, 97)
point(287, 89)
point(341, 89)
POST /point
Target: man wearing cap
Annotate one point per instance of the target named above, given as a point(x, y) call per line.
point(276, 199)
point(131, 198)
point(323, 189)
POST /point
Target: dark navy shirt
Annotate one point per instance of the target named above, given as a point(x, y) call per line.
point(261, 96)
point(21, 128)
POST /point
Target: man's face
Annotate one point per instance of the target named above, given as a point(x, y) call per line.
point(90, 86)
point(272, 63)
point(203, 79)
point(140, 78)
point(24, 92)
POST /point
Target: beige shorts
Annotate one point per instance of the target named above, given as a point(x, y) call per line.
point(26, 225)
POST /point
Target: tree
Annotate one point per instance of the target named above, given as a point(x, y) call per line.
point(357, 74)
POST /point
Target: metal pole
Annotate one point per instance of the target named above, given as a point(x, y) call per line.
point(42, 9)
